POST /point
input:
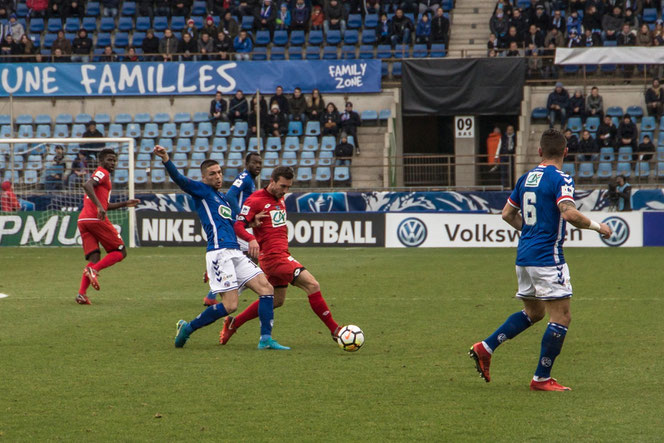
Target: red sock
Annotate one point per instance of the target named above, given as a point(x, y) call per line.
point(249, 313)
point(109, 260)
point(319, 306)
point(85, 283)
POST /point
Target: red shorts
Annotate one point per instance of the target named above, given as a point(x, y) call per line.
point(281, 269)
point(94, 232)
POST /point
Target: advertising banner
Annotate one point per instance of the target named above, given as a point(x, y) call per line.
point(609, 56)
point(49, 228)
point(190, 78)
point(489, 230)
point(184, 229)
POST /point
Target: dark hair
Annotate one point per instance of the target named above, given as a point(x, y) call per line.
point(104, 152)
point(207, 163)
point(247, 159)
point(282, 171)
point(553, 143)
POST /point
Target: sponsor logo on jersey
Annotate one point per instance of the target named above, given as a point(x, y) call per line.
point(412, 232)
point(99, 176)
point(245, 210)
point(567, 191)
point(278, 218)
point(620, 231)
point(225, 212)
point(533, 179)
point(267, 206)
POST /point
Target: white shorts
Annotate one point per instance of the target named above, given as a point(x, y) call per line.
point(229, 269)
point(244, 246)
point(544, 283)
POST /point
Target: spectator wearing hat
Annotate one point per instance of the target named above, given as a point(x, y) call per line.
point(594, 104)
point(209, 26)
point(350, 120)
point(218, 109)
point(440, 28)
point(243, 46)
point(150, 45)
point(81, 47)
point(283, 21)
point(628, 134)
point(557, 105)
point(265, 17)
point(655, 99)
point(277, 121)
point(191, 29)
point(15, 28)
point(343, 152)
point(238, 109)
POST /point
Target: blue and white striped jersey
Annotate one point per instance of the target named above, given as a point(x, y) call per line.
point(214, 210)
point(240, 190)
point(537, 194)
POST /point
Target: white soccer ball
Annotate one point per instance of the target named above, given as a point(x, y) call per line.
point(350, 338)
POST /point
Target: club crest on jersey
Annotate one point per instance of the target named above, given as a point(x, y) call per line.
point(245, 210)
point(533, 179)
point(267, 206)
point(278, 218)
point(567, 191)
point(225, 212)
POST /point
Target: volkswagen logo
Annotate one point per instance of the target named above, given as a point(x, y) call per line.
point(412, 232)
point(620, 231)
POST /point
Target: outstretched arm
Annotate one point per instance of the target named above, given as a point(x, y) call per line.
point(578, 220)
point(189, 186)
point(125, 204)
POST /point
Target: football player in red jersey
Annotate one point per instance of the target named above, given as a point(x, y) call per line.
point(270, 244)
point(96, 228)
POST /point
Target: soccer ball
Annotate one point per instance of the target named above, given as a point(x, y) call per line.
point(351, 338)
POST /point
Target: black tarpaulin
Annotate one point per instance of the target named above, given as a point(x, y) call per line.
point(480, 86)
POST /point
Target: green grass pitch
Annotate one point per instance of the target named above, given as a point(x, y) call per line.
point(109, 372)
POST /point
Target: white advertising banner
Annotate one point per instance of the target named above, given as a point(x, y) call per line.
point(610, 55)
point(435, 230)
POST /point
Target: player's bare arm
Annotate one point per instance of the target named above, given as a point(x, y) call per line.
point(578, 220)
point(125, 204)
point(89, 187)
point(512, 217)
point(161, 152)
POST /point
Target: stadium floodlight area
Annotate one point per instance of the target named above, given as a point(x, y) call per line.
point(28, 163)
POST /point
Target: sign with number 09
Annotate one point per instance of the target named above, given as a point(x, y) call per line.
point(464, 127)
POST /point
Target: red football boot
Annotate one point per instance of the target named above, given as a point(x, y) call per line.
point(91, 274)
point(83, 300)
point(482, 360)
point(228, 330)
point(209, 302)
point(548, 385)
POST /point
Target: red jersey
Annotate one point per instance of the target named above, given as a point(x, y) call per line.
point(102, 191)
point(272, 234)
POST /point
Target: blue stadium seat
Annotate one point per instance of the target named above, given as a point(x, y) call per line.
point(103, 39)
point(295, 128)
point(48, 40)
point(625, 154)
point(539, 113)
point(159, 118)
point(366, 52)
point(348, 52)
point(270, 159)
point(223, 129)
point(151, 130)
point(586, 170)
point(102, 118)
point(648, 123)
point(182, 117)
point(194, 174)
point(308, 158)
point(235, 160)
point(125, 24)
point(572, 69)
point(219, 144)
point(158, 175)
point(187, 130)
point(31, 177)
point(315, 38)
point(592, 124)
point(107, 24)
point(121, 176)
point(341, 174)
point(178, 22)
point(280, 38)
point(303, 174)
point(253, 145)
point(201, 144)
point(238, 144)
point(642, 169)
point(328, 143)
point(312, 128)
point(93, 9)
point(143, 23)
point(5, 119)
point(624, 168)
point(128, 9)
point(297, 38)
point(166, 143)
point(262, 38)
point(330, 53)
point(37, 25)
point(83, 118)
point(43, 119)
point(60, 130)
point(370, 21)
point(312, 53)
point(21, 10)
point(278, 53)
point(115, 130)
point(146, 146)
point(614, 111)
point(218, 157)
point(368, 37)
point(43, 131)
point(384, 51)
point(333, 37)
point(240, 129)
point(289, 158)
point(575, 124)
point(89, 24)
point(396, 69)
point(660, 153)
point(78, 130)
point(160, 23)
point(200, 117)
point(25, 131)
point(204, 129)
point(72, 24)
point(384, 115)
point(133, 130)
point(310, 144)
point(259, 53)
point(402, 51)
point(636, 112)
point(168, 130)
point(325, 158)
point(180, 159)
point(291, 144)
point(183, 145)
point(247, 22)
point(606, 155)
point(351, 37)
point(295, 53)
point(273, 144)
point(199, 8)
point(354, 21)
point(121, 40)
point(649, 15)
point(420, 51)
point(438, 50)
point(604, 170)
point(369, 117)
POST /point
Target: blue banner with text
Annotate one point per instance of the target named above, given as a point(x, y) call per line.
point(190, 78)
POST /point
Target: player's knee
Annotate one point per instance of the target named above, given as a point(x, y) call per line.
point(278, 302)
point(313, 286)
point(536, 315)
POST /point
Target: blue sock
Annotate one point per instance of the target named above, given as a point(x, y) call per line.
point(266, 315)
point(552, 343)
point(210, 315)
point(513, 326)
point(211, 296)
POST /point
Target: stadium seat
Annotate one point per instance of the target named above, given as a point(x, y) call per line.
point(151, 130)
point(366, 52)
point(166, 143)
point(159, 118)
point(107, 24)
point(238, 144)
point(48, 41)
point(625, 154)
point(348, 52)
point(270, 159)
point(648, 124)
point(103, 39)
point(146, 146)
point(323, 174)
point(182, 117)
point(61, 131)
point(247, 22)
point(37, 25)
point(115, 130)
point(571, 69)
point(93, 9)
point(333, 37)
point(137, 40)
point(196, 159)
point(325, 158)
point(312, 53)
point(370, 21)
point(614, 111)
point(129, 9)
point(200, 117)
point(354, 21)
point(31, 177)
point(280, 38)
point(642, 169)
point(25, 131)
point(297, 38)
point(273, 144)
point(259, 54)
point(235, 160)
point(194, 173)
point(253, 145)
point(649, 15)
point(291, 144)
point(384, 51)
point(6, 119)
point(168, 130)
point(574, 124)
point(606, 155)
point(351, 37)
point(368, 37)
point(183, 145)
point(143, 23)
point(660, 153)
point(624, 168)
point(586, 170)
point(308, 158)
point(178, 22)
point(5, 132)
point(341, 174)
point(303, 174)
point(204, 129)
point(295, 53)
point(78, 130)
point(43, 131)
point(330, 53)
point(24, 119)
point(43, 119)
point(72, 24)
point(187, 130)
point(592, 124)
point(133, 130)
point(201, 144)
point(125, 24)
point(241, 129)
point(604, 170)
point(539, 113)
point(289, 158)
point(262, 38)
point(636, 112)
point(310, 144)
point(218, 157)
point(660, 169)
point(89, 24)
point(384, 115)
point(295, 128)
point(223, 129)
point(180, 159)
point(402, 51)
point(370, 117)
point(121, 40)
point(312, 128)
point(199, 8)
point(219, 144)
point(438, 50)
point(315, 38)
point(328, 143)
point(121, 176)
point(278, 53)
point(160, 23)
point(420, 51)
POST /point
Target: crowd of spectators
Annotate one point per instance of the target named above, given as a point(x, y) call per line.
point(221, 37)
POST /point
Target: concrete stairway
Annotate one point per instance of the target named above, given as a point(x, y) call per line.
point(470, 27)
point(367, 168)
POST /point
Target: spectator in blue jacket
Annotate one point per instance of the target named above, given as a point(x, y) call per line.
point(574, 22)
point(383, 30)
point(243, 46)
point(557, 105)
point(283, 21)
point(423, 30)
